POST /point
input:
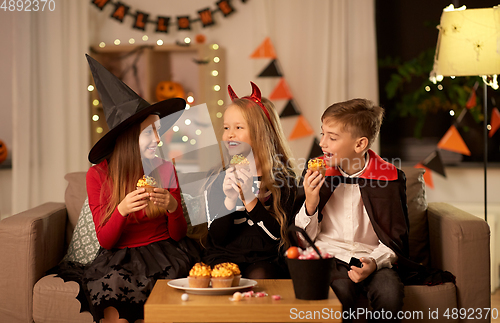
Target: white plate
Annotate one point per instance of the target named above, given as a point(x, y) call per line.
point(182, 283)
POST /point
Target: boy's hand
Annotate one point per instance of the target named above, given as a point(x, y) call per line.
point(312, 184)
point(357, 274)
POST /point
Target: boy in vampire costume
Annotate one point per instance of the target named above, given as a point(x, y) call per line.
point(358, 213)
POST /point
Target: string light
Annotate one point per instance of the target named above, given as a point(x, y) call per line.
point(452, 77)
point(95, 102)
point(190, 99)
point(216, 87)
point(99, 130)
point(175, 128)
point(219, 115)
point(159, 42)
point(427, 88)
point(220, 102)
point(160, 143)
point(440, 87)
point(131, 41)
point(216, 59)
point(95, 117)
point(215, 47)
point(187, 40)
point(102, 44)
point(117, 42)
point(187, 122)
point(452, 113)
point(185, 138)
point(192, 141)
point(198, 132)
point(90, 88)
point(215, 73)
point(145, 37)
point(188, 106)
point(488, 127)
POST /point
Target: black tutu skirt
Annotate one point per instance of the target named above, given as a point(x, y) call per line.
point(124, 278)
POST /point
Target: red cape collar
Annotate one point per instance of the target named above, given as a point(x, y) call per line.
point(377, 169)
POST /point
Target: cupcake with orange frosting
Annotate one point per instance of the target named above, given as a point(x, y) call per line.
point(199, 276)
point(317, 164)
point(147, 182)
point(236, 272)
point(222, 277)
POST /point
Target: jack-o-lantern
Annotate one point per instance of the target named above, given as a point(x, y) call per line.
point(3, 152)
point(168, 89)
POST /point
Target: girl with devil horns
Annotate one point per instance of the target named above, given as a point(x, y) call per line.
point(249, 204)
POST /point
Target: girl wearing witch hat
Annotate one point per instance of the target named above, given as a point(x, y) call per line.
point(141, 232)
point(249, 207)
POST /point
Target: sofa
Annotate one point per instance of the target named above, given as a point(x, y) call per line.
point(441, 236)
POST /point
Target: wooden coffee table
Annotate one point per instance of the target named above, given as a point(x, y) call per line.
point(165, 305)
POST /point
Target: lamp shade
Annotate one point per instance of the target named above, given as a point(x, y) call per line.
point(468, 42)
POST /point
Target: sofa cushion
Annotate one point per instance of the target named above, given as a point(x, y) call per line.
point(417, 214)
point(430, 300)
point(84, 245)
point(75, 195)
point(54, 301)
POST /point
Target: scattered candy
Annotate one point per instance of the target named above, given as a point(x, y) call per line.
point(237, 296)
point(185, 297)
point(276, 297)
point(247, 295)
point(260, 294)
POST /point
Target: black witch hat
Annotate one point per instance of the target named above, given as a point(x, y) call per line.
point(123, 107)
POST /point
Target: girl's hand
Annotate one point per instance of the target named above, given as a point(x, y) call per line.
point(133, 202)
point(164, 199)
point(229, 186)
point(312, 184)
point(245, 182)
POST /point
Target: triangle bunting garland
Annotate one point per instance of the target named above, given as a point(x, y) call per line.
point(271, 70)
point(495, 121)
point(281, 91)
point(290, 110)
point(301, 129)
point(435, 163)
point(265, 50)
point(452, 141)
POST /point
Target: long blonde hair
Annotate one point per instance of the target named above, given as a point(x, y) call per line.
point(273, 154)
point(124, 170)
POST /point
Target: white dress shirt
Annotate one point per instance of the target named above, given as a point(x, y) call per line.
point(345, 230)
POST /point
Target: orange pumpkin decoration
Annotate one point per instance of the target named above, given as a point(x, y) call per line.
point(168, 89)
point(3, 152)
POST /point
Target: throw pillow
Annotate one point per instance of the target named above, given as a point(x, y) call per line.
point(417, 215)
point(84, 246)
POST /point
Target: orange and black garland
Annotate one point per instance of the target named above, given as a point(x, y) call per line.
point(162, 23)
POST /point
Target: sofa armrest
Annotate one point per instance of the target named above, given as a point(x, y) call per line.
point(31, 242)
point(460, 244)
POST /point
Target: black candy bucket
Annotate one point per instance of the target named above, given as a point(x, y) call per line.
point(311, 278)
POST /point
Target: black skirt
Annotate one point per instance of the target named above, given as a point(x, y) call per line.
point(124, 278)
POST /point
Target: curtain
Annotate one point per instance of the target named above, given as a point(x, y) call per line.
point(49, 102)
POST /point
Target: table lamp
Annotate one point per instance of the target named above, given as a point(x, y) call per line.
point(469, 45)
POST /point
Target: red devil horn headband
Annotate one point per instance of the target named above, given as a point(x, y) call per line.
point(255, 97)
